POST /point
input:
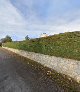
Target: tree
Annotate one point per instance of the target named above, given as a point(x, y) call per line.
point(27, 37)
point(6, 39)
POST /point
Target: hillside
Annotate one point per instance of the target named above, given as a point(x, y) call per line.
point(65, 45)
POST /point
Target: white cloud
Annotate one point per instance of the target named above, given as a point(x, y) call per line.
point(13, 23)
point(10, 20)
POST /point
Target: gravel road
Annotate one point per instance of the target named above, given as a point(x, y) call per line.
point(15, 76)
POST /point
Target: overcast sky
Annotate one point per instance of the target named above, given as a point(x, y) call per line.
point(19, 18)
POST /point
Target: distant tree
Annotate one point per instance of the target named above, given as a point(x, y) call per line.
point(27, 37)
point(6, 39)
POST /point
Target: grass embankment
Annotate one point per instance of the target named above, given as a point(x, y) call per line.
point(65, 45)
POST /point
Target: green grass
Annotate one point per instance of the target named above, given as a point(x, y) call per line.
point(65, 45)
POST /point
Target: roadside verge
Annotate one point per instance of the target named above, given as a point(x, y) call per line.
point(65, 66)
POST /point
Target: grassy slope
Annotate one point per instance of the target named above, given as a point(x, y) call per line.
point(65, 45)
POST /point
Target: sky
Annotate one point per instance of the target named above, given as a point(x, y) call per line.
point(19, 18)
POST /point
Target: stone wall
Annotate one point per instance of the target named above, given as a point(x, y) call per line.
point(62, 65)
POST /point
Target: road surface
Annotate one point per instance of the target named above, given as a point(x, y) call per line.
point(15, 76)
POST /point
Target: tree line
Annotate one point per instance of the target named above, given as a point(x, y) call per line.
point(9, 39)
